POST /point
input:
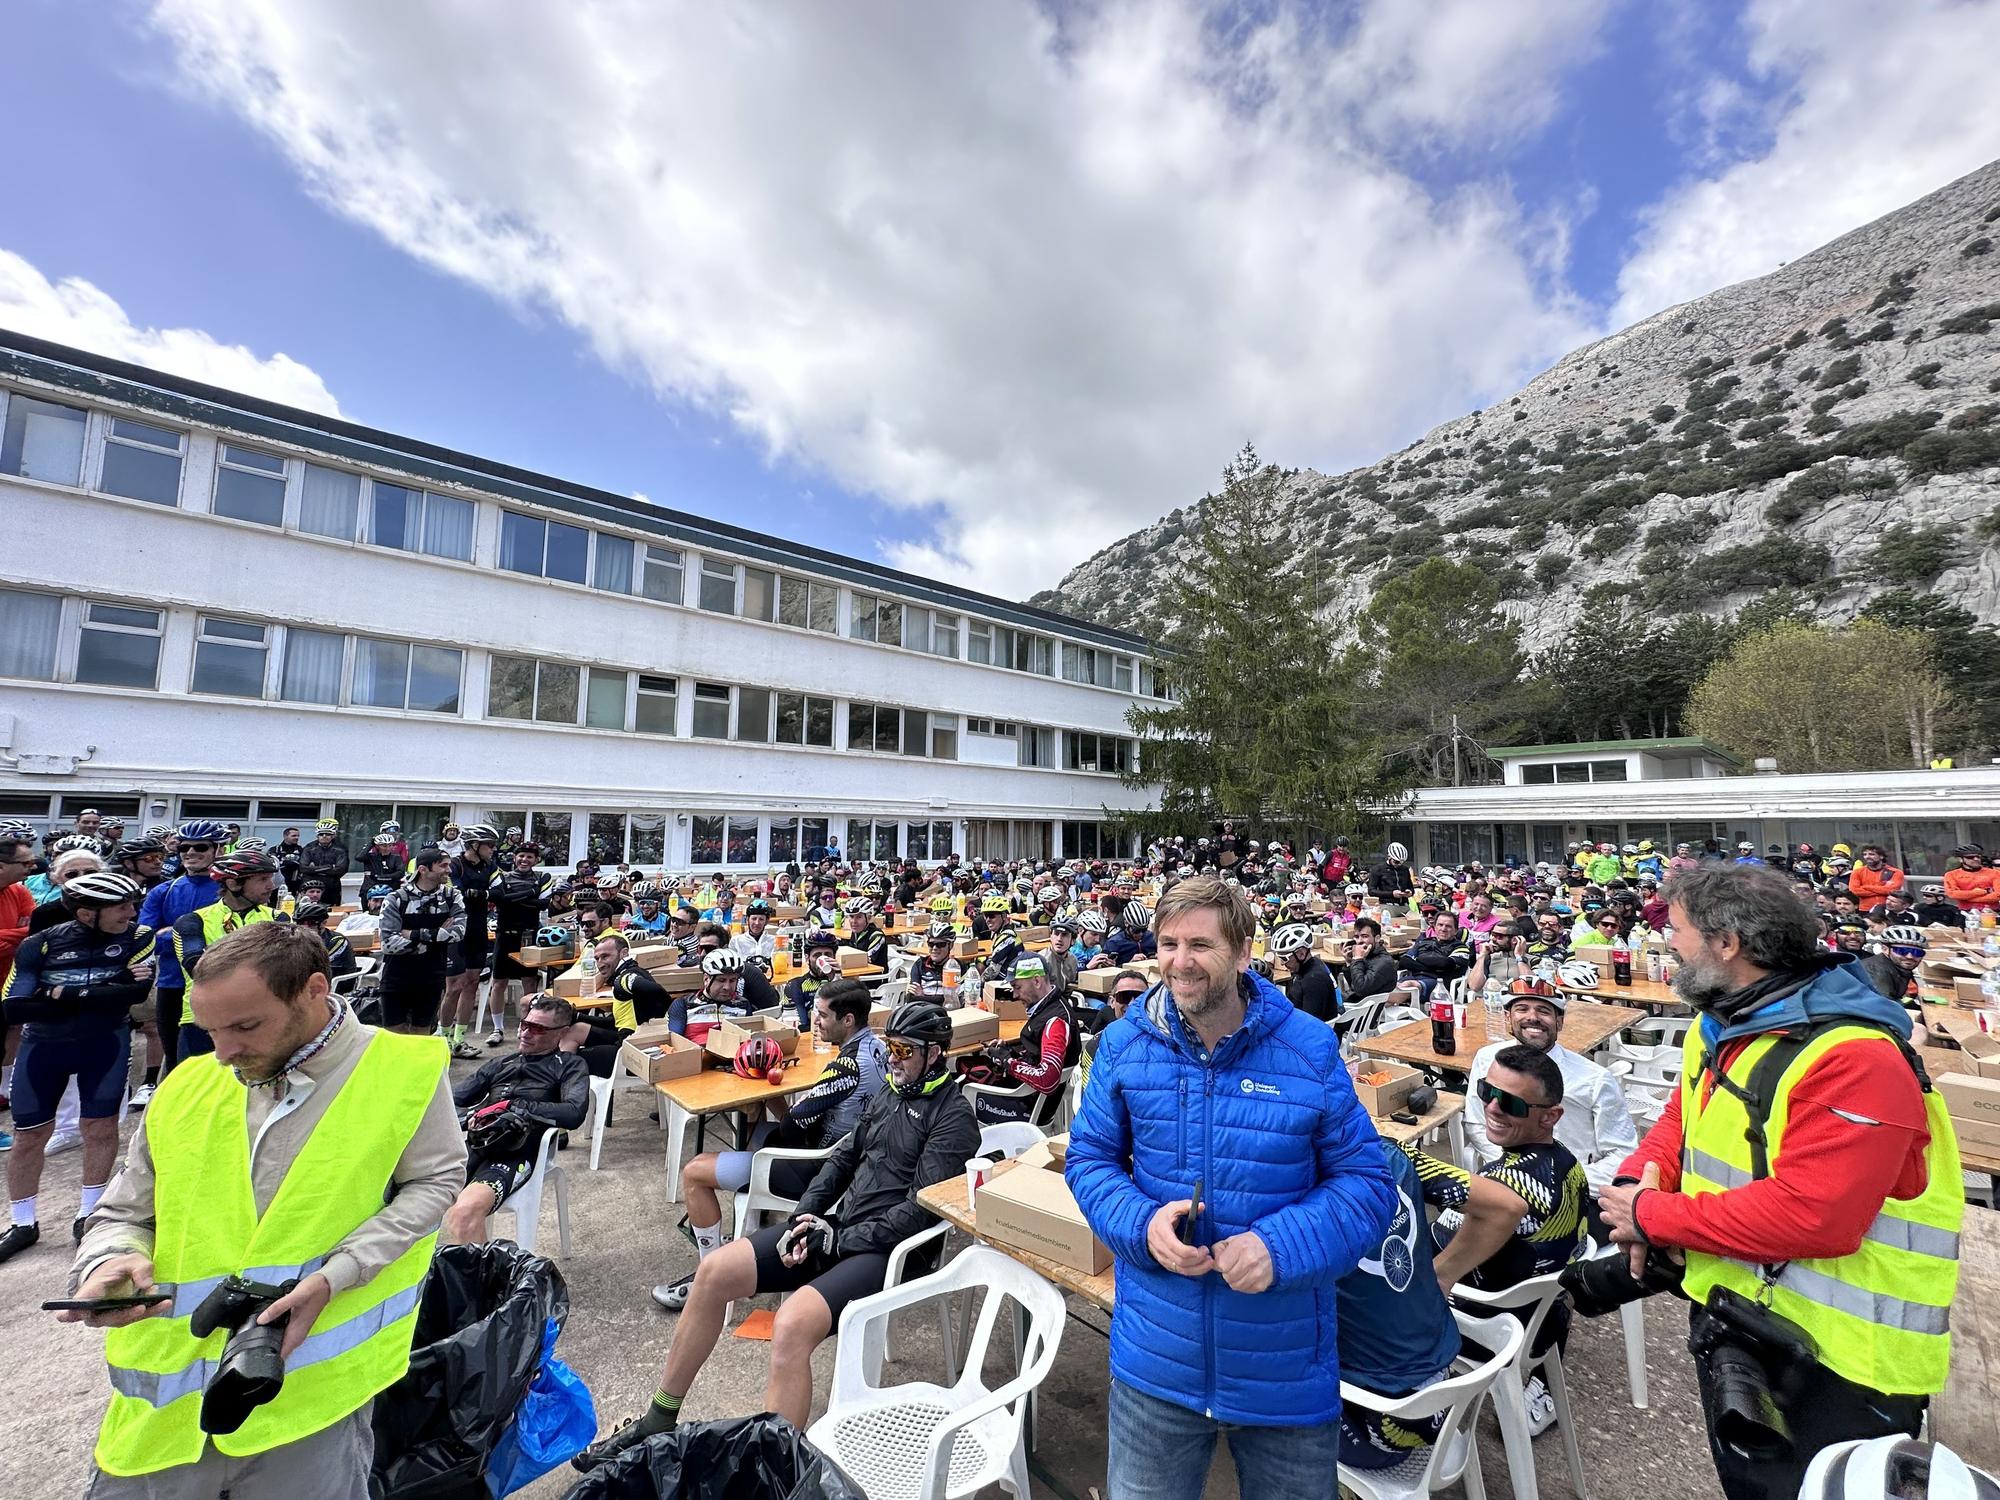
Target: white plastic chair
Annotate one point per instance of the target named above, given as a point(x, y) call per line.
point(1454, 1457)
point(1532, 1299)
point(892, 992)
point(1008, 1139)
point(526, 1204)
point(757, 1196)
point(1357, 1020)
point(1045, 1109)
point(621, 1081)
point(923, 1441)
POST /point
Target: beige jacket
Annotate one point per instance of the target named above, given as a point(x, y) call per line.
point(279, 1119)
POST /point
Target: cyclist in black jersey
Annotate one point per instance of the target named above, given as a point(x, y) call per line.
point(473, 872)
point(519, 897)
point(72, 991)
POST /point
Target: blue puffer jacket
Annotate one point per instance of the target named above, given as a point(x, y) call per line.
point(1271, 1127)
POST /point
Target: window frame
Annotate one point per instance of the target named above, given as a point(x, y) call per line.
point(18, 403)
point(224, 464)
point(415, 522)
point(711, 571)
point(262, 647)
point(85, 625)
point(112, 439)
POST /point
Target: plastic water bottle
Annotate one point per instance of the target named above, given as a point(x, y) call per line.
point(587, 968)
point(1989, 990)
point(1495, 999)
point(952, 972)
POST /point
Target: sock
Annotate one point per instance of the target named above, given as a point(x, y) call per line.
point(22, 1210)
point(457, 1034)
point(7, 1079)
point(662, 1414)
point(707, 1241)
point(92, 1196)
point(152, 1078)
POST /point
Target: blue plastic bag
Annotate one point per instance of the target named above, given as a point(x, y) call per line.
point(555, 1421)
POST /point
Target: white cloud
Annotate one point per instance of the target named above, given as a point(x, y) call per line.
point(73, 311)
point(1877, 105)
point(1031, 277)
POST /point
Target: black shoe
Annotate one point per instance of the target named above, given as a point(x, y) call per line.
point(76, 1230)
point(626, 1435)
point(19, 1237)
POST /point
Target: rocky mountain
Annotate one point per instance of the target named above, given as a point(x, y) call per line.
point(1833, 426)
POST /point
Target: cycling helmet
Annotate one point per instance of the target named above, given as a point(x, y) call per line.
point(940, 903)
point(714, 965)
point(324, 825)
point(1578, 974)
point(821, 938)
point(1063, 923)
point(1968, 851)
point(1356, 892)
point(392, 826)
point(1894, 1466)
point(757, 1055)
point(992, 905)
point(201, 831)
point(647, 890)
point(1892, 937)
point(310, 911)
point(385, 838)
point(1397, 852)
point(242, 865)
point(1293, 937)
point(1093, 922)
point(100, 888)
point(159, 831)
point(552, 936)
point(1136, 917)
point(131, 848)
point(759, 908)
point(860, 906)
point(940, 932)
point(252, 844)
point(1052, 897)
point(383, 892)
point(920, 1021)
point(479, 833)
point(1540, 987)
point(1933, 893)
point(1629, 849)
point(73, 841)
point(513, 830)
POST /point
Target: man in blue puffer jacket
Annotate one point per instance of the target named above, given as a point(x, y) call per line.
point(1213, 1078)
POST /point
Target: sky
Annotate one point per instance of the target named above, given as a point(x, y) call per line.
point(972, 289)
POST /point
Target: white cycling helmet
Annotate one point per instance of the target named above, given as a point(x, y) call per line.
point(99, 888)
point(1358, 892)
point(1397, 852)
point(1136, 917)
point(1577, 974)
point(1293, 937)
point(1894, 1468)
point(720, 962)
point(1092, 920)
point(860, 906)
point(941, 932)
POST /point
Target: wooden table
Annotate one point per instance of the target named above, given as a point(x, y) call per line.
point(1964, 1413)
point(1587, 1025)
point(1641, 991)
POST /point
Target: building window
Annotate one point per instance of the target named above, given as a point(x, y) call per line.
point(648, 838)
point(229, 657)
point(870, 840)
point(119, 647)
point(655, 710)
point(330, 502)
point(30, 631)
point(1538, 775)
point(808, 605)
point(711, 711)
point(944, 737)
point(1121, 673)
point(250, 486)
point(550, 830)
point(662, 575)
point(418, 521)
point(1020, 650)
point(753, 715)
point(604, 837)
point(314, 662)
point(546, 692)
point(1038, 746)
point(142, 462)
point(611, 570)
point(876, 619)
point(395, 674)
point(638, 838)
point(43, 440)
point(804, 720)
point(742, 841)
point(1572, 772)
point(705, 842)
point(718, 586)
point(604, 699)
point(1105, 753)
point(929, 630)
point(542, 549)
point(760, 594)
point(798, 839)
point(927, 840)
point(1607, 770)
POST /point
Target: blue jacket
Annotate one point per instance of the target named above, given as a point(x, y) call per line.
point(1271, 1127)
point(1836, 986)
point(165, 904)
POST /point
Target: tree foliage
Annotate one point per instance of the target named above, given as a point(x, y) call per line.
point(1965, 652)
point(1441, 667)
point(1653, 666)
point(1863, 698)
point(1263, 724)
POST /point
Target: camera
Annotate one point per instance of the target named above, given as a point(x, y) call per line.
point(251, 1371)
point(1604, 1283)
point(1749, 1350)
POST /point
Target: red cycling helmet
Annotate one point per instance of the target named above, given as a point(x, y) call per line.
point(757, 1055)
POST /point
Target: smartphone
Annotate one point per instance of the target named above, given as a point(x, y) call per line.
point(1190, 1221)
point(107, 1304)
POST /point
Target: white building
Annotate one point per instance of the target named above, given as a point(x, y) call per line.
point(214, 605)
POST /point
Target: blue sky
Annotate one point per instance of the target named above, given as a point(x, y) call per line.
point(934, 285)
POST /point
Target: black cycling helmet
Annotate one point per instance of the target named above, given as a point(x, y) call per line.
point(821, 938)
point(920, 1021)
point(310, 911)
point(138, 848)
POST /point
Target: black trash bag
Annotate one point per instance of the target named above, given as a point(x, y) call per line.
point(742, 1458)
point(478, 1341)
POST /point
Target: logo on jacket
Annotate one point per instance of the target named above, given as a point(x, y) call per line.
point(1252, 1086)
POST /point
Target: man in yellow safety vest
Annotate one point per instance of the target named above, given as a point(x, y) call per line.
point(307, 1151)
point(1808, 1176)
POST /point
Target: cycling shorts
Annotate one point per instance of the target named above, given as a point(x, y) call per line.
point(95, 1056)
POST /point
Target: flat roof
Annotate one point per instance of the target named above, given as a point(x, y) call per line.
point(1685, 744)
point(27, 358)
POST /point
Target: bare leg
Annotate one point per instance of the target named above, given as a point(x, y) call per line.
point(726, 1275)
point(465, 1220)
point(24, 1162)
point(698, 1189)
point(100, 1149)
point(803, 1323)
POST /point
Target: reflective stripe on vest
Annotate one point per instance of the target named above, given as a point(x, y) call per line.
point(208, 1227)
point(1880, 1315)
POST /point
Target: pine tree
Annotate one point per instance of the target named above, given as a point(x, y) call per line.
point(1262, 723)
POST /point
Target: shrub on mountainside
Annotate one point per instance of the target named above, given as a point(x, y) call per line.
point(1912, 554)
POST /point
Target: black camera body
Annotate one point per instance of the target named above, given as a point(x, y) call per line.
point(1604, 1283)
point(1754, 1358)
point(251, 1371)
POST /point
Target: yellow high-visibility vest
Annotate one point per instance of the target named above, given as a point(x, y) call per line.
point(207, 1228)
point(1881, 1315)
point(217, 922)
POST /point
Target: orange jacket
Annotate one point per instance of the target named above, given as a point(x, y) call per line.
point(1870, 886)
point(1973, 888)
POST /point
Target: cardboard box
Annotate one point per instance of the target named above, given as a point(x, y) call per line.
point(1968, 992)
point(1005, 1007)
point(1982, 1052)
point(1383, 1099)
point(1981, 1136)
point(649, 954)
point(972, 1028)
point(363, 942)
point(656, 1054)
point(730, 1034)
point(1970, 1098)
point(789, 914)
point(965, 947)
point(1034, 937)
point(852, 959)
point(1027, 1205)
point(878, 1016)
point(568, 985)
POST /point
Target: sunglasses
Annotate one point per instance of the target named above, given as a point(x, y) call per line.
point(1128, 996)
point(196, 848)
point(900, 1051)
point(535, 1028)
point(1510, 1104)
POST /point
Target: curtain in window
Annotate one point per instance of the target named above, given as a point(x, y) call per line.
point(312, 666)
point(329, 502)
point(381, 673)
point(448, 527)
point(29, 625)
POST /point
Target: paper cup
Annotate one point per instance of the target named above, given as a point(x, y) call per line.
point(977, 1170)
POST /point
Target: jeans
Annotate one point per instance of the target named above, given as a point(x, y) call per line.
point(1160, 1451)
point(1824, 1409)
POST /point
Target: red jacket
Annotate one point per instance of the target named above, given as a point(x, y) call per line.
point(16, 906)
